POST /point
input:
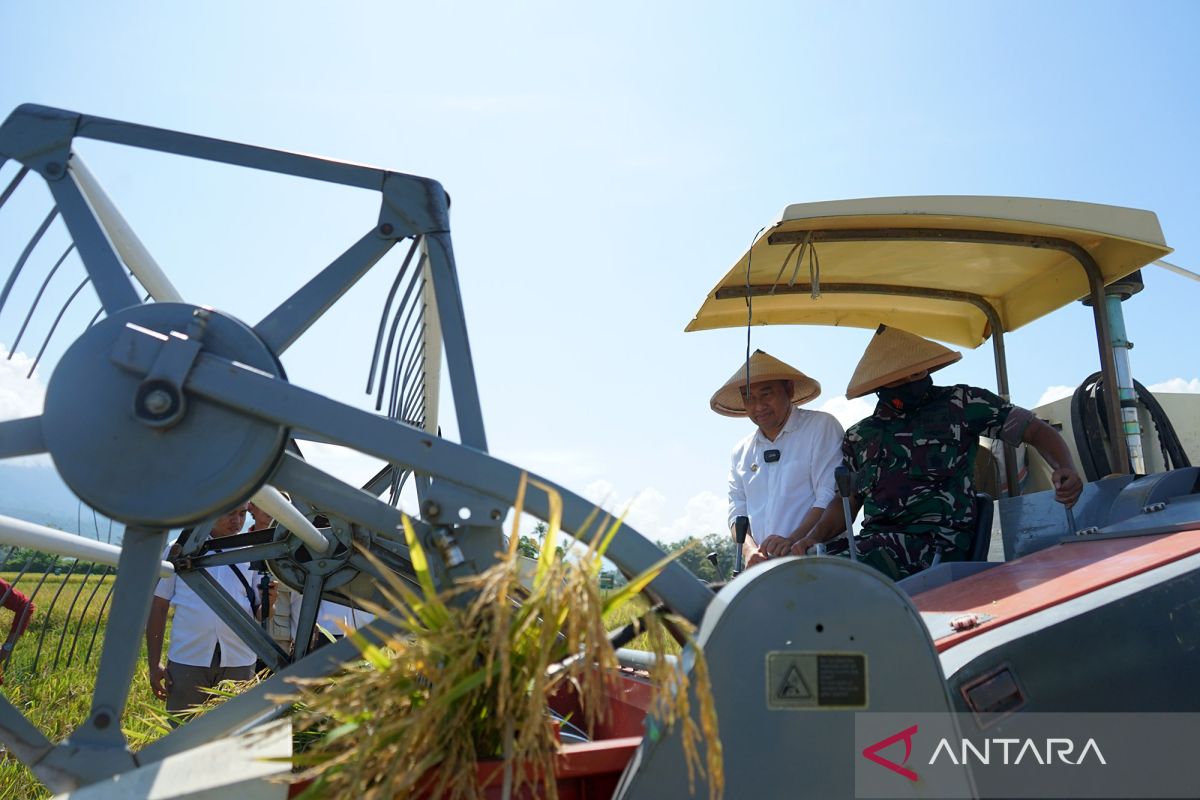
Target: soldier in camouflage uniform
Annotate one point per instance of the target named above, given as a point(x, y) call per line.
point(913, 458)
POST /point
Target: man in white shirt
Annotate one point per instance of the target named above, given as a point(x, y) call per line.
point(780, 476)
point(204, 650)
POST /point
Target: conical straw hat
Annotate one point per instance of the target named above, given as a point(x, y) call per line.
point(894, 354)
point(728, 399)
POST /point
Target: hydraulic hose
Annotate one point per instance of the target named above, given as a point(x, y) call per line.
point(1091, 428)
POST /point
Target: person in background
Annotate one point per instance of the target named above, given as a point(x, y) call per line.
point(22, 607)
point(279, 618)
point(204, 650)
point(781, 475)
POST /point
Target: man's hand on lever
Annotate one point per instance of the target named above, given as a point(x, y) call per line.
point(1067, 485)
point(1053, 448)
point(830, 525)
point(774, 546)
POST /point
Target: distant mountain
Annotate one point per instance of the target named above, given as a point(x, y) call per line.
point(37, 494)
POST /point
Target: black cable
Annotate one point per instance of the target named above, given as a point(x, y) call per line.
point(1090, 424)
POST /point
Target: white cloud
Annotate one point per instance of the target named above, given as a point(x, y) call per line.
point(20, 397)
point(651, 513)
point(703, 514)
point(1053, 393)
point(849, 412)
point(1177, 386)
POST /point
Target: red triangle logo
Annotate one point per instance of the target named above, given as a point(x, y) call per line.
point(872, 752)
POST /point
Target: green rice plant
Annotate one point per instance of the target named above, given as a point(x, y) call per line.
point(467, 677)
point(57, 699)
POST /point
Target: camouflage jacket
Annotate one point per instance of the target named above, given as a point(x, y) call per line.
point(913, 471)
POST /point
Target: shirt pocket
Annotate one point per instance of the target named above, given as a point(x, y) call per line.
point(937, 452)
point(937, 449)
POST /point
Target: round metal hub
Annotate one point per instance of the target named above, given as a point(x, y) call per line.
point(102, 426)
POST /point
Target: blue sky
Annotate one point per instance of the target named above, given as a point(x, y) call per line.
point(607, 165)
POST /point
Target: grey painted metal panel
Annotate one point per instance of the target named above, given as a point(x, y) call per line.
point(1131, 646)
point(797, 610)
point(1036, 521)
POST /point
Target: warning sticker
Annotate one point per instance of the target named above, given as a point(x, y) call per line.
point(804, 680)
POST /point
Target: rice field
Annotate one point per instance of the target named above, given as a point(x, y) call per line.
point(53, 686)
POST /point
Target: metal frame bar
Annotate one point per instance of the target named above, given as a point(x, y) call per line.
point(232, 614)
point(21, 437)
point(454, 335)
point(285, 324)
point(141, 552)
point(489, 483)
point(263, 701)
point(127, 244)
point(20, 533)
point(103, 266)
point(40, 137)
point(1119, 454)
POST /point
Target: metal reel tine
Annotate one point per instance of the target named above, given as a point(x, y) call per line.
point(30, 246)
point(33, 306)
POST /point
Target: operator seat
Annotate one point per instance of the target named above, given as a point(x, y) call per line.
point(985, 509)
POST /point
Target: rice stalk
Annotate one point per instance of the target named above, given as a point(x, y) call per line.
point(468, 674)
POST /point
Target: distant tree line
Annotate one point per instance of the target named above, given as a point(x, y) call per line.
point(36, 561)
point(695, 554)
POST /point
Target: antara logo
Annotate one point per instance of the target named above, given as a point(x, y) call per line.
point(872, 753)
point(1000, 751)
point(1049, 751)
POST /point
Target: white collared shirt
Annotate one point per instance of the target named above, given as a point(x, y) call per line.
point(776, 495)
point(197, 629)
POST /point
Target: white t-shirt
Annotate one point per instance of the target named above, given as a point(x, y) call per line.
point(197, 629)
point(776, 495)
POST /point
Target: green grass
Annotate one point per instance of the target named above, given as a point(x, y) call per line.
point(57, 700)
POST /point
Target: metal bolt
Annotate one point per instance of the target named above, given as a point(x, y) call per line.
point(157, 402)
point(201, 313)
point(496, 514)
point(54, 169)
point(386, 229)
point(432, 509)
point(102, 720)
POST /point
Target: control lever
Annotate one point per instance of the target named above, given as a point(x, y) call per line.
point(841, 476)
point(715, 561)
point(741, 526)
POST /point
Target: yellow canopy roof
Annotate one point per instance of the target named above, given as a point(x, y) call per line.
point(936, 266)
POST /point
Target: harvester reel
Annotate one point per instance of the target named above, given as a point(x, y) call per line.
point(142, 449)
point(166, 414)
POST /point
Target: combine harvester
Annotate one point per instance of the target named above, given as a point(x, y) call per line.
point(1073, 620)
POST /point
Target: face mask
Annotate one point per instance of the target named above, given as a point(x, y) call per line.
point(907, 395)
